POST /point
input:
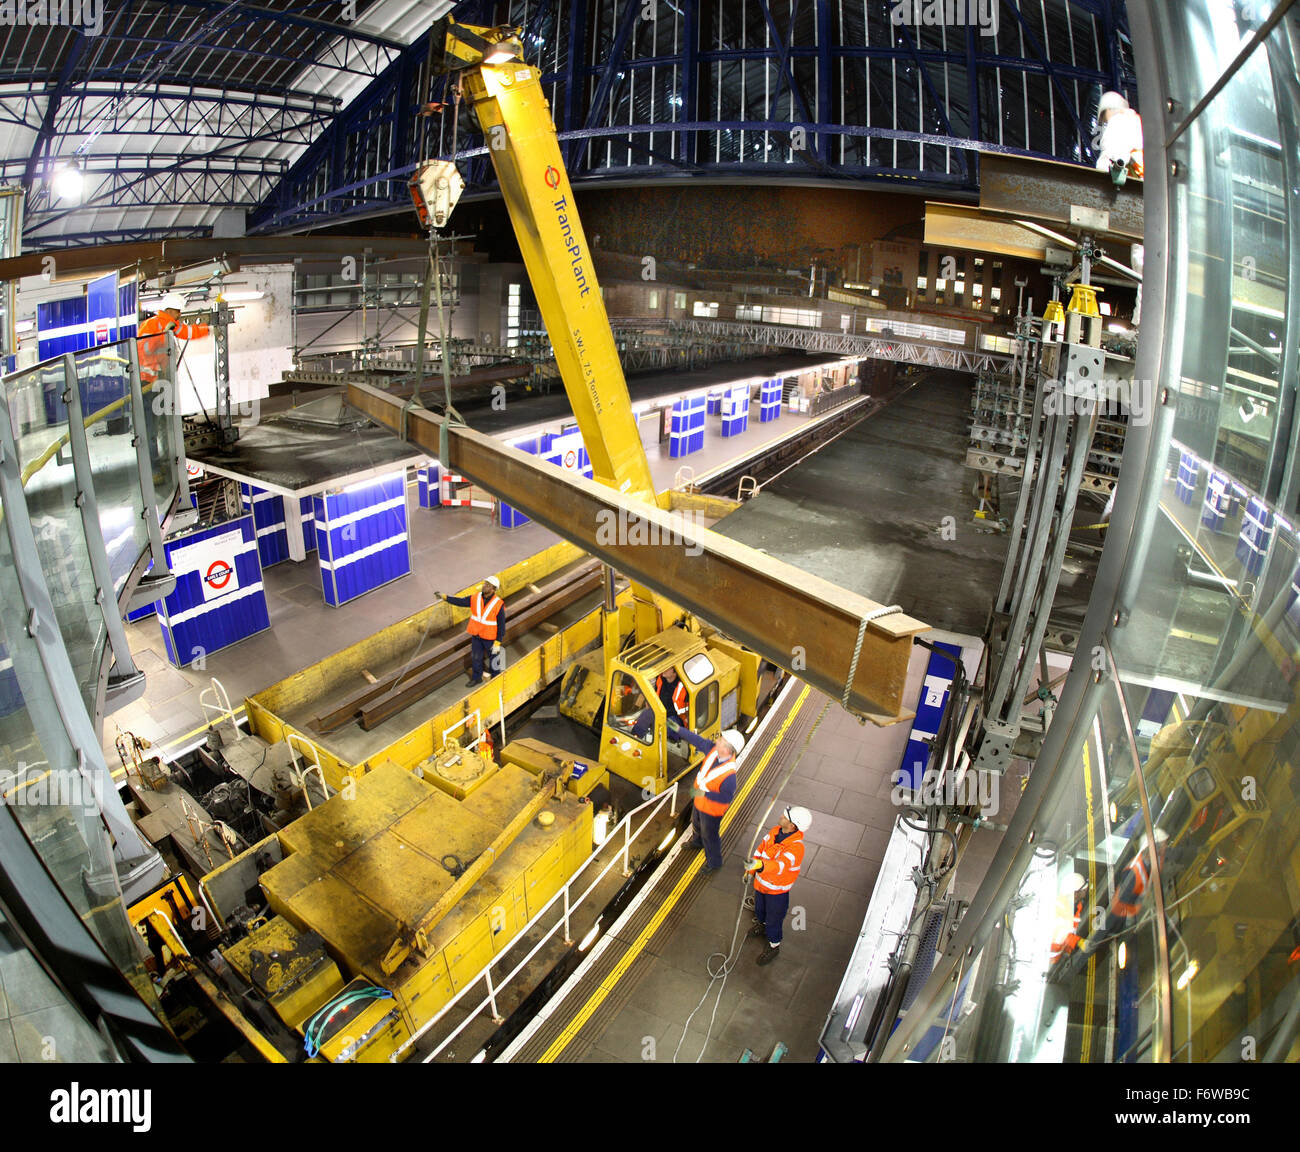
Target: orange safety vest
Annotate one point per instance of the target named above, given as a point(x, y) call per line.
point(679, 697)
point(153, 351)
point(1139, 869)
point(712, 773)
point(781, 862)
point(1072, 938)
point(483, 621)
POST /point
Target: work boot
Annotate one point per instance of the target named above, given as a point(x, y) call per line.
point(768, 954)
point(472, 682)
point(757, 929)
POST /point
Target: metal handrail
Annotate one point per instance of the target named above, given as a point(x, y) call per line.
point(220, 697)
point(313, 762)
point(654, 804)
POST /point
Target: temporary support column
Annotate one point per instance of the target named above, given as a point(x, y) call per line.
point(428, 480)
point(268, 510)
point(735, 410)
point(769, 401)
point(219, 599)
point(688, 426)
point(125, 681)
point(361, 537)
point(299, 526)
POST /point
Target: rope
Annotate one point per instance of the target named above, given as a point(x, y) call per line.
point(723, 970)
point(857, 648)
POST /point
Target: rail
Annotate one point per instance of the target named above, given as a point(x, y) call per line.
point(652, 807)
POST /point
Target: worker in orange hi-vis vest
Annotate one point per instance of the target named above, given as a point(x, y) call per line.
point(151, 336)
point(672, 693)
point(775, 867)
point(486, 628)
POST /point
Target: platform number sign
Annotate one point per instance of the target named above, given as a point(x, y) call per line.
point(214, 562)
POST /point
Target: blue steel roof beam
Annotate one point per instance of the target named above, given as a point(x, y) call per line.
point(1052, 75)
point(168, 114)
point(940, 105)
point(782, 48)
point(54, 100)
point(314, 23)
point(610, 74)
point(297, 62)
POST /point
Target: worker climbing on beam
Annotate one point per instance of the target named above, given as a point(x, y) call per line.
point(714, 789)
point(486, 628)
point(775, 867)
point(672, 692)
point(1119, 143)
point(151, 336)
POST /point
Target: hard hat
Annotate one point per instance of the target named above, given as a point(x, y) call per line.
point(494, 582)
point(173, 301)
point(735, 739)
point(801, 818)
point(1111, 102)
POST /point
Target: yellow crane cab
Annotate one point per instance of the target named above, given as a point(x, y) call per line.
point(626, 708)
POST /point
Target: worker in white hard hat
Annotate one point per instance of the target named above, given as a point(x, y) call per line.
point(713, 790)
point(1119, 129)
point(150, 336)
point(1130, 892)
point(486, 628)
point(775, 867)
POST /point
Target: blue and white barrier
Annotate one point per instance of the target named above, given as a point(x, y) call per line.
point(687, 434)
point(218, 599)
point(362, 538)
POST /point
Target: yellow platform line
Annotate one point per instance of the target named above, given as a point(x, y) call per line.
point(638, 945)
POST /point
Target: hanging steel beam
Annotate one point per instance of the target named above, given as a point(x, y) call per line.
point(824, 634)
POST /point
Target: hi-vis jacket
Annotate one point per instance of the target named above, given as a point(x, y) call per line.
point(781, 862)
point(711, 778)
point(153, 346)
point(483, 618)
point(678, 697)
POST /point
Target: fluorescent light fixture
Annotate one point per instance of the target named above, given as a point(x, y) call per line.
point(241, 297)
point(853, 1013)
point(504, 51)
point(481, 1057)
point(1186, 978)
point(1114, 813)
point(1123, 955)
point(69, 182)
point(667, 839)
point(600, 827)
point(590, 938)
point(24, 325)
point(1116, 327)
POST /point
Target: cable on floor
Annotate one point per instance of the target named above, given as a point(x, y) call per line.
point(718, 974)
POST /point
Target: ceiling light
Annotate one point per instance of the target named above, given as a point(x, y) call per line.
point(504, 51)
point(240, 297)
point(69, 182)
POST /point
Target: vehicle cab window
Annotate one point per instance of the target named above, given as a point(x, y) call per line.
point(630, 711)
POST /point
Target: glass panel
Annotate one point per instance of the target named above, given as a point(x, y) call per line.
point(159, 384)
point(40, 421)
point(41, 783)
point(103, 376)
point(629, 710)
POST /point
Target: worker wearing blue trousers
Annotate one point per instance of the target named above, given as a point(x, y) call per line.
point(775, 867)
point(486, 628)
point(713, 790)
